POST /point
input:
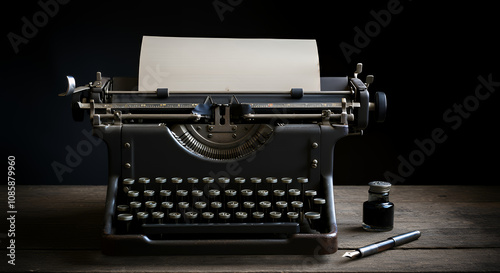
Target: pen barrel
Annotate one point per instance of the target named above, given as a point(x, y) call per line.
point(376, 247)
point(389, 243)
point(406, 238)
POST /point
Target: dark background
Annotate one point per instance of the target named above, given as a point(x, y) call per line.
point(427, 58)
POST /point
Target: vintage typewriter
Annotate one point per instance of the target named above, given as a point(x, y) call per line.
point(218, 172)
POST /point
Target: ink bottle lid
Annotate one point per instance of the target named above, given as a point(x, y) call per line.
point(379, 187)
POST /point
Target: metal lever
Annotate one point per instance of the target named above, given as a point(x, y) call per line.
point(369, 80)
point(359, 69)
point(71, 87)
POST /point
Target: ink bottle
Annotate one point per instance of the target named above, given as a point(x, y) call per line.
point(378, 212)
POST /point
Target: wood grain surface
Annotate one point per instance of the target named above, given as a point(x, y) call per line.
point(58, 229)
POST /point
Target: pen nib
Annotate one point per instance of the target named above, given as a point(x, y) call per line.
point(351, 254)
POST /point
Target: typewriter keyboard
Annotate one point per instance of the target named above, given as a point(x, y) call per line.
point(160, 206)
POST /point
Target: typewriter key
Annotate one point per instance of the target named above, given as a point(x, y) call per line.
point(191, 216)
point(293, 216)
point(223, 180)
point(181, 195)
point(232, 205)
point(262, 195)
point(298, 205)
point(311, 217)
point(294, 194)
point(174, 216)
point(143, 217)
point(200, 205)
point(310, 197)
point(192, 181)
point(183, 206)
point(122, 208)
point(246, 195)
point(145, 181)
point(281, 205)
point(258, 216)
point(224, 216)
point(240, 181)
point(196, 195)
point(230, 195)
point(208, 180)
point(302, 181)
point(265, 206)
point(255, 181)
point(241, 216)
point(249, 206)
point(132, 195)
point(165, 194)
point(246, 192)
point(213, 194)
point(278, 195)
point(123, 223)
point(150, 206)
point(127, 184)
point(148, 195)
point(158, 217)
point(134, 207)
point(215, 207)
point(166, 207)
point(207, 216)
point(319, 203)
point(160, 181)
point(176, 181)
point(287, 181)
point(271, 181)
point(275, 215)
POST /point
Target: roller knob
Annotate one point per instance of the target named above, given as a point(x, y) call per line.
point(380, 106)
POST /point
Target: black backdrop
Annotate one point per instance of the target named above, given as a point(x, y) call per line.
point(437, 64)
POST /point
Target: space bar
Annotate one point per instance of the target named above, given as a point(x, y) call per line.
point(280, 227)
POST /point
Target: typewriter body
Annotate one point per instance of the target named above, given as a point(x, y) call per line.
point(222, 172)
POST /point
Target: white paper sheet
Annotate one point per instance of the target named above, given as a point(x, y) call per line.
point(218, 64)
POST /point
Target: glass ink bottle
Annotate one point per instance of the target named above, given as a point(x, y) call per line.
point(378, 212)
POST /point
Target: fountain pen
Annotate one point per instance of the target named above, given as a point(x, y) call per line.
point(383, 245)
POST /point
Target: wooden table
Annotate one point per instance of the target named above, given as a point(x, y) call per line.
point(58, 229)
